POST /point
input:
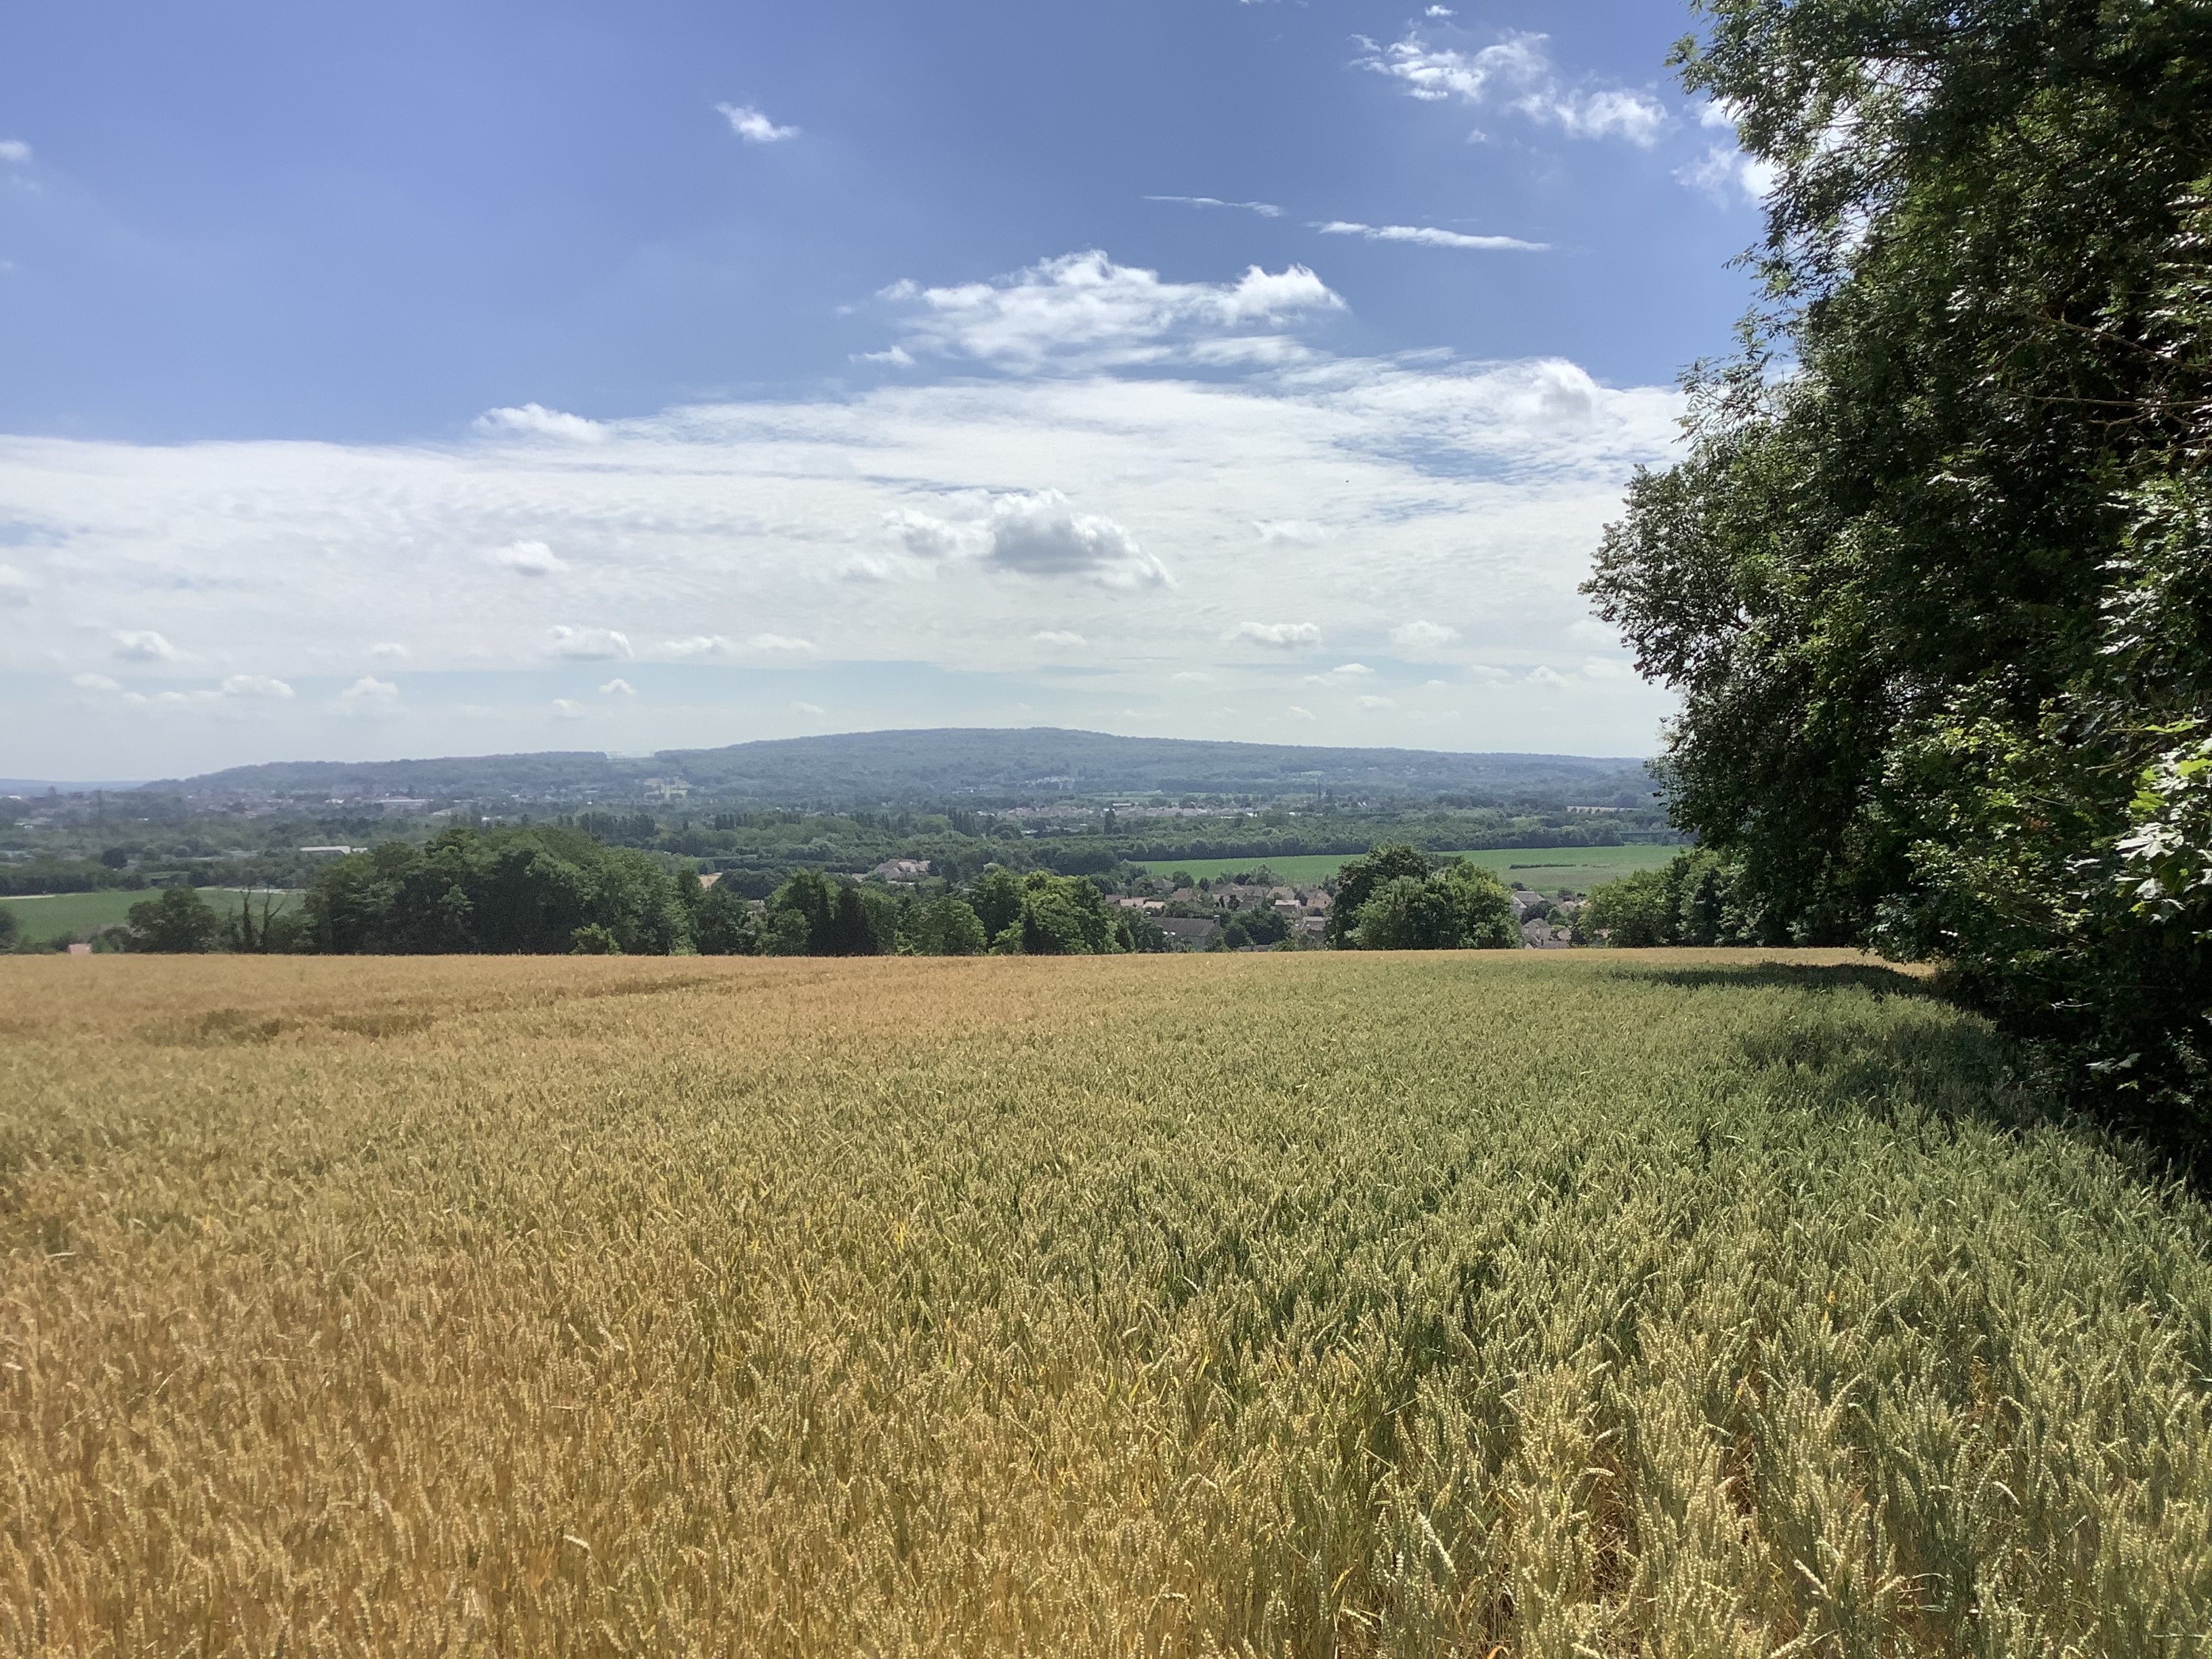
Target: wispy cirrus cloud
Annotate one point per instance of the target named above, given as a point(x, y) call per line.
point(1430, 236)
point(1264, 209)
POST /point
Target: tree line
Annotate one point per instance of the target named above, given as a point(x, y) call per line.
point(549, 890)
point(1934, 579)
point(554, 890)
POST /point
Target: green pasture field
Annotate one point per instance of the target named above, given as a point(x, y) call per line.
point(47, 916)
point(1725, 1303)
point(1578, 868)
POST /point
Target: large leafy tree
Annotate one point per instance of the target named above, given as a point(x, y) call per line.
point(1932, 579)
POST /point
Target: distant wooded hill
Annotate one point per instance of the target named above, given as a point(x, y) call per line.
point(876, 766)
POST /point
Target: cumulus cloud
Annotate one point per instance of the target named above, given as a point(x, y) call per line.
point(1516, 73)
point(1058, 636)
point(1264, 209)
point(144, 645)
point(389, 651)
point(256, 685)
point(1280, 636)
point(1295, 532)
point(785, 643)
point(567, 708)
point(807, 708)
point(698, 645)
point(1351, 668)
point(585, 644)
point(1373, 702)
point(536, 421)
point(754, 127)
point(1430, 236)
point(527, 559)
point(369, 698)
point(1082, 312)
point(1029, 533)
point(93, 683)
point(14, 150)
point(617, 688)
point(1042, 535)
point(15, 586)
point(1416, 639)
point(1298, 713)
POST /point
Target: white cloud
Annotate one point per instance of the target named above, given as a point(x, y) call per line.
point(1418, 638)
point(1282, 635)
point(1542, 675)
point(389, 651)
point(527, 559)
point(1351, 668)
point(1430, 236)
point(370, 698)
point(567, 708)
point(1264, 209)
point(698, 645)
point(617, 688)
point(535, 420)
point(585, 644)
point(808, 708)
point(14, 150)
point(256, 685)
point(1727, 175)
point(1082, 312)
point(780, 642)
point(15, 586)
point(1058, 636)
point(1373, 702)
point(144, 645)
point(93, 683)
point(1041, 534)
point(1439, 12)
point(1298, 713)
point(896, 357)
point(1366, 492)
point(751, 125)
point(1608, 112)
point(1516, 73)
point(1192, 677)
point(1607, 668)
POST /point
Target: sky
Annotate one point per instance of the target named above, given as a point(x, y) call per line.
point(462, 378)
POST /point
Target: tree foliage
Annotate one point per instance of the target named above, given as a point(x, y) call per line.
point(1932, 580)
point(178, 923)
point(503, 892)
point(1699, 898)
point(1462, 907)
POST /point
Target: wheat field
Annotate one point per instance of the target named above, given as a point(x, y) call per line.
point(1312, 1303)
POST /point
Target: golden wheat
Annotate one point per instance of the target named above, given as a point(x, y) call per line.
point(1284, 1305)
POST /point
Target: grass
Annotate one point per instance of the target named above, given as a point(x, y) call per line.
point(1601, 1302)
point(1580, 868)
point(79, 914)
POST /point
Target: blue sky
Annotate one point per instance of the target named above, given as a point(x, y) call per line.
point(437, 378)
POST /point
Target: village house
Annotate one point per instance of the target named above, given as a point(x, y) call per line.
point(902, 870)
